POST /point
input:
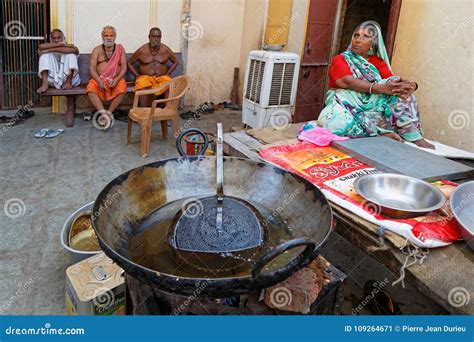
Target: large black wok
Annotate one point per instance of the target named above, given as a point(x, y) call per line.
point(132, 198)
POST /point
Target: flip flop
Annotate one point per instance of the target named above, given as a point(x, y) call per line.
point(53, 133)
point(29, 114)
point(41, 133)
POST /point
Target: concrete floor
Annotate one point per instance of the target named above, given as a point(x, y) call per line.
point(53, 177)
point(50, 178)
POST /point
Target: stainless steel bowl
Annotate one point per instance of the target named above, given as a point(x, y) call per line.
point(462, 205)
point(276, 47)
point(399, 196)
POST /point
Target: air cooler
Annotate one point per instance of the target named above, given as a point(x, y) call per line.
point(271, 80)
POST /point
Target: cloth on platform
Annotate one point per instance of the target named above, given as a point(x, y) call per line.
point(445, 150)
point(110, 72)
point(152, 82)
point(59, 67)
point(113, 65)
point(109, 93)
point(334, 173)
point(354, 114)
point(320, 136)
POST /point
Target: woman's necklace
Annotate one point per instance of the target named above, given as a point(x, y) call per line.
point(107, 58)
point(156, 50)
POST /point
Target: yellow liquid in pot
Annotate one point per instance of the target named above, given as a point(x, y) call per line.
point(149, 247)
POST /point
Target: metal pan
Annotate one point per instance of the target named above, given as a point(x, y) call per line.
point(462, 205)
point(134, 196)
point(399, 196)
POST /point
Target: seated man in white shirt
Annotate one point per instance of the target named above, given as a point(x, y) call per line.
point(58, 63)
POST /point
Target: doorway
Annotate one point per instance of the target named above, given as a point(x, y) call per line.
point(329, 29)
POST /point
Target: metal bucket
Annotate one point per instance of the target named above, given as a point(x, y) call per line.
point(75, 254)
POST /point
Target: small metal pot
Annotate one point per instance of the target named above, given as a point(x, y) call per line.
point(75, 254)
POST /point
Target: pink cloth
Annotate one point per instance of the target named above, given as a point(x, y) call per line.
point(113, 66)
point(320, 136)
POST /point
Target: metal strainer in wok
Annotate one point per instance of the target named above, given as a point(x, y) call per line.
point(218, 232)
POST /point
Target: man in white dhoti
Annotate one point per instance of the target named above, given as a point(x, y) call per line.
point(58, 63)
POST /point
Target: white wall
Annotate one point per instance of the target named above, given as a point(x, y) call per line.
point(434, 48)
point(169, 21)
point(222, 33)
point(297, 32)
point(130, 18)
point(214, 48)
point(252, 34)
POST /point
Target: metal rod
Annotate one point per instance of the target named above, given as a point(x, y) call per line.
point(220, 177)
point(220, 161)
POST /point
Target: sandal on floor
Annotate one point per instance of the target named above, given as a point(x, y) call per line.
point(41, 133)
point(53, 133)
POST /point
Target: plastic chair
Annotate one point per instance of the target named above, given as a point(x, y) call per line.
point(145, 116)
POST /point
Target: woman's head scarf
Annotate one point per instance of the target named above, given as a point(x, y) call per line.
point(378, 46)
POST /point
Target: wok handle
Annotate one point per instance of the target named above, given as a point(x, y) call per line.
point(278, 250)
point(181, 136)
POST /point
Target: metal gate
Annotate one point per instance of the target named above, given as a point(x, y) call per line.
point(24, 27)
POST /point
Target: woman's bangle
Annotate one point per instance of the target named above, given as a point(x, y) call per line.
point(416, 85)
point(370, 88)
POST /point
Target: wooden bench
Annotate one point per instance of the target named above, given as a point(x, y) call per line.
point(83, 63)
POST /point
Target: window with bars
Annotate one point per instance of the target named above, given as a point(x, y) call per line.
point(24, 27)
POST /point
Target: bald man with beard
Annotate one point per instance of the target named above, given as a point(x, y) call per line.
point(152, 70)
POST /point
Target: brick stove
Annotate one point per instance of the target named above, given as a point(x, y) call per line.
point(313, 290)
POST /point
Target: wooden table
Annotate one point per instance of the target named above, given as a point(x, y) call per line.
point(443, 271)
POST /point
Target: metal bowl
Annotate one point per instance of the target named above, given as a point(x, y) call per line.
point(462, 205)
point(275, 47)
point(399, 196)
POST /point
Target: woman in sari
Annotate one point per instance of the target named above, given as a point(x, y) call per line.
point(365, 98)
